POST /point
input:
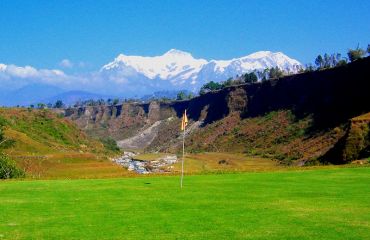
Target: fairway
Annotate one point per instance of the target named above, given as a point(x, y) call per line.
point(309, 204)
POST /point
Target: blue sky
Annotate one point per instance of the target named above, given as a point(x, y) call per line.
point(41, 33)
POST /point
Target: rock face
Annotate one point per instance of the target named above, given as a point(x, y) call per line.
point(142, 139)
point(120, 121)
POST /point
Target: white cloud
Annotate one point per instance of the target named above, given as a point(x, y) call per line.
point(66, 63)
point(12, 76)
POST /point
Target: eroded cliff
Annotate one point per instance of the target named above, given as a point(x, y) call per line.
point(325, 100)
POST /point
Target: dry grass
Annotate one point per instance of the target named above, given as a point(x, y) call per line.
point(149, 156)
point(364, 117)
point(225, 162)
point(276, 135)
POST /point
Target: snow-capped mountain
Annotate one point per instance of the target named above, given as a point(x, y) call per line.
point(130, 76)
point(176, 68)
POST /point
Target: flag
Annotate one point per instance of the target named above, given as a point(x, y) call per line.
point(184, 121)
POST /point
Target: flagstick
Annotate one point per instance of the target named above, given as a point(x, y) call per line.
point(183, 155)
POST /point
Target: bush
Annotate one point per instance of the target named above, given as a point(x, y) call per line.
point(355, 54)
point(312, 162)
point(8, 169)
point(210, 86)
point(110, 143)
point(223, 162)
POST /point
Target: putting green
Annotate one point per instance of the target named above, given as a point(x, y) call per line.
point(313, 204)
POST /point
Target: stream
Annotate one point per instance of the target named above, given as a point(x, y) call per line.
point(161, 164)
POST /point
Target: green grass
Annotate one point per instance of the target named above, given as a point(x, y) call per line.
point(312, 204)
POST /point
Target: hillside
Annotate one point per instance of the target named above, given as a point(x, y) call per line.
point(45, 144)
point(296, 119)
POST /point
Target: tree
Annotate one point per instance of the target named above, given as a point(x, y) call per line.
point(276, 73)
point(368, 49)
point(309, 68)
point(327, 61)
point(59, 104)
point(265, 74)
point(260, 75)
point(115, 101)
point(250, 77)
point(210, 86)
point(8, 168)
point(336, 58)
point(181, 95)
point(341, 62)
point(41, 105)
point(227, 83)
point(101, 102)
point(355, 54)
point(319, 61)
point(300, 69)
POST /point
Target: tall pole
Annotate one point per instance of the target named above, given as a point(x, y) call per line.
point(183, 155)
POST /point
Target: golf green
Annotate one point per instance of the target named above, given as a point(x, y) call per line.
point(311, 204)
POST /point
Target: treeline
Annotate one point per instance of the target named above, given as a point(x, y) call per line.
point(327, 61)
point(247, 78)
point(57, 104)
point(321, 62)
point(90, 102)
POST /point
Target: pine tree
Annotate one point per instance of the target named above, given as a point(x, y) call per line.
point(319, 61)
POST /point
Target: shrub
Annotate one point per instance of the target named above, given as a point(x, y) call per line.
point(355, 54)
point(210, 86)
point(223, 162)
point(110, 143)
point(8, 169)
point(312, 162)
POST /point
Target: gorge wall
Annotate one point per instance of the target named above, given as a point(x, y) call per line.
point(329, 97)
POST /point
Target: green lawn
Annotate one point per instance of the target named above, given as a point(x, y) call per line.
point(312, 204)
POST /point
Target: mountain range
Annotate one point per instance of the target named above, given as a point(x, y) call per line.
point(178, 69)
point(131, 76)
